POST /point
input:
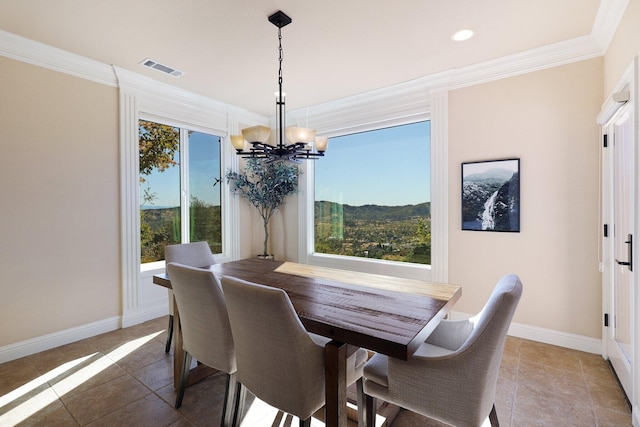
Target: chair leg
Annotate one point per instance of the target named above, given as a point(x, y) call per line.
point(167, 347)
point(305, 423)
point(231, 401)
point(184, 376)
point(369, 411)
point(493, 417)
point(241, 393)
point(362, 403)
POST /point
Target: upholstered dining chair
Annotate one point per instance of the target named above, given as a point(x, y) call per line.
point(206, 332)
point(452, 376)
point(278, 360)
point(195, 254)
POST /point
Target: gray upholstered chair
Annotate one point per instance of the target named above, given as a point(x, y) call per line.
point(452, 376)
point(196, 254)
point(278, 360)
point(205, 330)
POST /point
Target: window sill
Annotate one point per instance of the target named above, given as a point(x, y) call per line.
point(375, 266)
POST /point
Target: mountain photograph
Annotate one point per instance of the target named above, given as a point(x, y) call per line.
point(491, 196)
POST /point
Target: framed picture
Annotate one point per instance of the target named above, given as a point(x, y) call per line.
point(491, 195)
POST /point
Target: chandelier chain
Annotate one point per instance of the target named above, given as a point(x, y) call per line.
point(280, 58)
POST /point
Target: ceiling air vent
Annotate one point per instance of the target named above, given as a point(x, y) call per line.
point(161, 67)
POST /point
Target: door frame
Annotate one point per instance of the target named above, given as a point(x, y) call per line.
point(628, 82)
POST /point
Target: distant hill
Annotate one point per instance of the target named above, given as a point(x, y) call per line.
point(491, 174)
point(372, 212)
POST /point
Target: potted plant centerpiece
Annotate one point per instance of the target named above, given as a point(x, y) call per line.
point(265, 184)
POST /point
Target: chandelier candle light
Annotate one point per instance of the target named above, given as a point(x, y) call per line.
point(299, 139)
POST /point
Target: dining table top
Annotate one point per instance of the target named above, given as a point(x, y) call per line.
point(385, 314)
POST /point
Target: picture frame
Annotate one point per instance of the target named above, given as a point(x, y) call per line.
point(490, 195)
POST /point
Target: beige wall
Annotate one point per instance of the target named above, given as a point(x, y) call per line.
point(547, 119)
point(59, 240)
point(59, 234)
point(624, 47)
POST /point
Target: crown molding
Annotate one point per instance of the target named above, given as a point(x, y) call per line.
point(414, 95)
point(608, 18)
point(565, 52)
point(405, 99)
point(42, 55)
point(411, 99)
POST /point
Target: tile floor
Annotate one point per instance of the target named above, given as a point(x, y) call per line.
point(124, 378)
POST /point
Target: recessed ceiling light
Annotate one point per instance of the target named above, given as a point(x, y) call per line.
point(462, 35)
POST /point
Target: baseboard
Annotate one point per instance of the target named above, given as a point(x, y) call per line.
point(56, 339)
point(636, 416)
point(549, 336)
point(46, 342)
point(136, 317)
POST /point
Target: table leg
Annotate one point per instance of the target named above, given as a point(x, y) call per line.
point(335, 356)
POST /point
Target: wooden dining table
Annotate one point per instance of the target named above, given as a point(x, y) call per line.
point(384, 314)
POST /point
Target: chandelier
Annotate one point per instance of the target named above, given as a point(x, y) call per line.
point(298, 143)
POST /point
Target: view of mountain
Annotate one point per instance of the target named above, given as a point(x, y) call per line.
point(373, 212)
point(491, 201)
point(397, 233)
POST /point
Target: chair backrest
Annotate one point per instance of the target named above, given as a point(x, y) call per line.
point(277, 359)
point(485, 344)
point(206, 332)
point(195, 254)
point(466, 377)
point(491, 325)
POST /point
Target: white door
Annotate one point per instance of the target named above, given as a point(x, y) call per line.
point(620, 331)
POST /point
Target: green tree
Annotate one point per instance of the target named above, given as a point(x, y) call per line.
point(157, 147)
point(421, 252)
point(265, 184)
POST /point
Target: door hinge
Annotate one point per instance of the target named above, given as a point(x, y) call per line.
point(606, 230)
point(604, 140)
point(606, 319)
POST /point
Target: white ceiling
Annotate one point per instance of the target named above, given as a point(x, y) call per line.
point(332, 49)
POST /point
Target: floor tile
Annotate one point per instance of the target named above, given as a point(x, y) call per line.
point(149, 411)
point(40, 406)
point(15, 374)
point(49, 360)
point(550, 355)
point(156, 375)
point(104, 399)
point(92, 372)
point(607, 396)
point(124, 377)
point(549, 379)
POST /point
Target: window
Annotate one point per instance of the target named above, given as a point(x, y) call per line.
point(179, 201)
point(372, 195)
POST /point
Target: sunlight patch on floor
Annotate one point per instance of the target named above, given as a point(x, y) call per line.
point(66, 377)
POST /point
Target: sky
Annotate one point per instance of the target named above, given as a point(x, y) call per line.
point(204, 152)
point(387, 167)
point(480, 167)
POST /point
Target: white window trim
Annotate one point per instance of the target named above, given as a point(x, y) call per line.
point(387, 107)
point(153, 100)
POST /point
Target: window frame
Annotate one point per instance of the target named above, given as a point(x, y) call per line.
point(140, 96)
point(388, 113)
point(183, 151)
